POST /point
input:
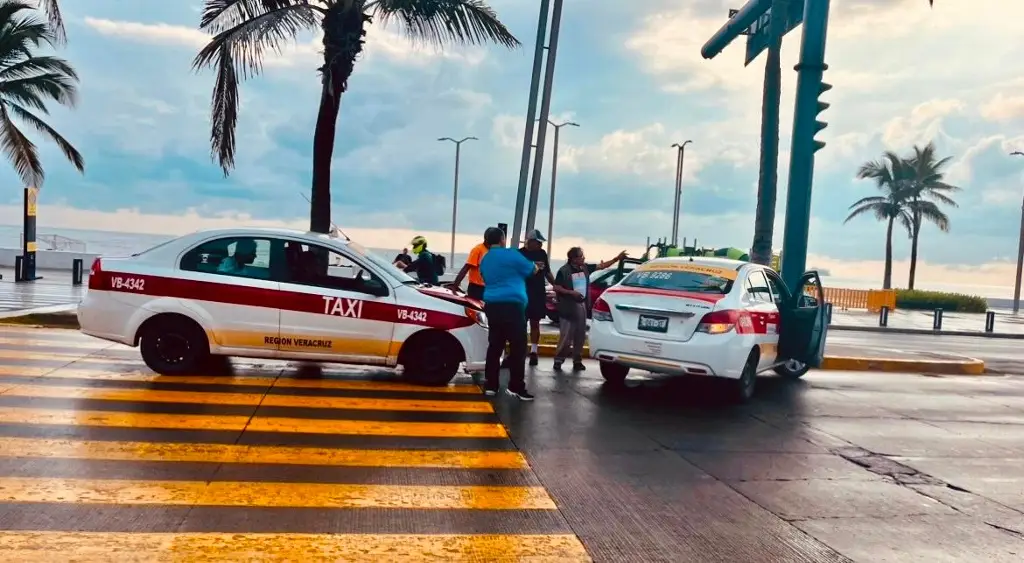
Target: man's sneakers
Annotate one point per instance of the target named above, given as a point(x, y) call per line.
point(576, 366)
point(533, 358)
point(522, 395)
point(490, 392)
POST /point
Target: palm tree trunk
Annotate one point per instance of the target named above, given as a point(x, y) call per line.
point(767, 181)
point(914, 235)
point(887, 276)
point(344, 30)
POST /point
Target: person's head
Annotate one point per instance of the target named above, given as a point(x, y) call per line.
point(494, 236)
point(405, 251)
point(576, 257)
point(419, 244)
point(245, 251)
point(534, 240)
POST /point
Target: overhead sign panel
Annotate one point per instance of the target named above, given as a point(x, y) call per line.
point(757, 33)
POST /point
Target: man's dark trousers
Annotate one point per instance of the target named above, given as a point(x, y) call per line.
point(506, 325)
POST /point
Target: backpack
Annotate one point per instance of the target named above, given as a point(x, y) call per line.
point(439, 264)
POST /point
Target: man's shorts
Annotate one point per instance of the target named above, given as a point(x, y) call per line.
point(475, 291)
point(536, 307)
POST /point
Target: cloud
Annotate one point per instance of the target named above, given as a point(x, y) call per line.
point(1003, 108)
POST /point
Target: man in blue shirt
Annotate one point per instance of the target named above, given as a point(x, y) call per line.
point(505, 271)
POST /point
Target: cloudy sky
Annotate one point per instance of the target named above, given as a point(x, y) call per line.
point(629, 73)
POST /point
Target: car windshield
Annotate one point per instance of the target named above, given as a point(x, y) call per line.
point(381, 263)
point(682, 277)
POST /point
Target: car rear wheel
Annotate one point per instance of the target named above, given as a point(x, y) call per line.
point(792, 369)
point(431, 360)
point(174, 346)
point(743, 388)
point(614, 373)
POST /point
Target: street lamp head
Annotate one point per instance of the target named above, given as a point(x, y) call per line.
point(573, 123)
point(446, 139)
point(470, 139)
point(1017, 153)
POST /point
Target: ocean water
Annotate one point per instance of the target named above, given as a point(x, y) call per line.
point(110, 243)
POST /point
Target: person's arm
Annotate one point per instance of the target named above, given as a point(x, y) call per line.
point(413, 266)
point(609, 263)
point(525, 267)
point(457, 282)
point(547, 271)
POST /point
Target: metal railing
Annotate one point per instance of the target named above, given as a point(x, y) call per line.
point(870, 299)
point(55, 242)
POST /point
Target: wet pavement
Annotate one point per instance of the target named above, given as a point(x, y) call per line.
point(54, 291)
point(103, 460)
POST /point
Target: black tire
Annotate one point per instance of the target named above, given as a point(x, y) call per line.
point(744, 387)
point(432, 360)
point(614, 373)
point(174, 346)
point(792, 371)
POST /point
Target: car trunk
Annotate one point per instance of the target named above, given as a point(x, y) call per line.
point(660, 315)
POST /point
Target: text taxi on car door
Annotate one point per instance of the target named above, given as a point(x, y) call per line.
point(274, 293)
point(709, 317)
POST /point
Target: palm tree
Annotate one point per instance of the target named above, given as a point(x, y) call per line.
point(54, 18)
point(925, 188)
point(27, 83)
point(890, 174)
point(244, 31)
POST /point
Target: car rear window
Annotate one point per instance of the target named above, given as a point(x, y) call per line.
point(682, 277)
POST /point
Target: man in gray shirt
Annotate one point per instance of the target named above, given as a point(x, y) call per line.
point(572, 285)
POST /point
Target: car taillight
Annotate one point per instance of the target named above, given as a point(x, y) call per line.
point(721, 322)
point(478, 316)
point(94, 274)
point(601, 311)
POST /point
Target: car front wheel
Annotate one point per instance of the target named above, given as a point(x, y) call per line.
point(792, 369)
point(174, 346)
point(432, 360)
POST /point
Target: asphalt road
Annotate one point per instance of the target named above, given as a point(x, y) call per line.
point(104, 460)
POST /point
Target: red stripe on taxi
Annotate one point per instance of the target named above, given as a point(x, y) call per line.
point(248, 296)
point(707, 297)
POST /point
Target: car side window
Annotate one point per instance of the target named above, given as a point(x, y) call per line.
point(779, 293)
point(758, 288)
point(309, 264)
point(241, 257)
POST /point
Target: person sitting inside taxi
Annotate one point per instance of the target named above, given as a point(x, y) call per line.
point(423, 265)
point(238, 264)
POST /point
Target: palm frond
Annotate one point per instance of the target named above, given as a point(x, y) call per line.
point(54, 19)
point(37, 65)
point(221, 15)
point(224, 113)
point(63, 144)
point(877, 209)
point(870, 200)
point(437, 22)
point(20, 151)
point(930, 212)
point(34, 90)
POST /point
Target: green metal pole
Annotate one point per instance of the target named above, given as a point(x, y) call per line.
point(767, 185)
point(801, 165)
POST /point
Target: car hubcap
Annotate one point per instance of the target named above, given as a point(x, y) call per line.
point(172, 348)
point(794, 366)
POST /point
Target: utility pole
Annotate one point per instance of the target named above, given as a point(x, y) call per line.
point(680, 157)
point(1020, 252)
point(455, 195)
point(545, 112)
point(554, 177)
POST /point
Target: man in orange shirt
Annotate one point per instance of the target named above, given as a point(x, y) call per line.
point(472, 269)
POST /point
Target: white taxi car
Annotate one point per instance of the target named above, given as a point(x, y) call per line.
point(281, 294)
point(709, 317)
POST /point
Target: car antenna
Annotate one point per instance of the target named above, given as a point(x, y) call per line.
point(333, 225)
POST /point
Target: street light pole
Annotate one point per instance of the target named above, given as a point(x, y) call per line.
point(455, 195)
point(679, 190)
point(554, 177)
point(1020, 252)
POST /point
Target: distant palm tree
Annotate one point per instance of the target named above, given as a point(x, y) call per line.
point(926, 183)
point(244, 31)
point(890, 174)
point(27, 83)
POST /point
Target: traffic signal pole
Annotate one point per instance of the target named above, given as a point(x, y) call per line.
point(805, 126)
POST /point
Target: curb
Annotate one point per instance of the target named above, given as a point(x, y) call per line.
point(967, 366)
point(878, 329)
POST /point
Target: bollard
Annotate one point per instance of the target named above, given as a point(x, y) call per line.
point(990, 321)
point(828, 313)
point(19, 266)
point(883, 316)
point(937, 320)
point(76, 271)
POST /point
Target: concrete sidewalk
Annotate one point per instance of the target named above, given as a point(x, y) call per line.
point(51, 293)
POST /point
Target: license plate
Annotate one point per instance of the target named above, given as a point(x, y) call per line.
point(653, 324)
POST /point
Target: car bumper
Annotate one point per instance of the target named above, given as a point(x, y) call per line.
point(104, 318)
point(474, 345)
point(720, 355)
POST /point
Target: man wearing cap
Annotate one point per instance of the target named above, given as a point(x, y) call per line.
point(536, 307)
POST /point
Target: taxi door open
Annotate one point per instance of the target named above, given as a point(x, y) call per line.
point(348, 313)
point(803, 324)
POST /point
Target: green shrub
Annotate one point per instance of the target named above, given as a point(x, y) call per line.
point(930, 300)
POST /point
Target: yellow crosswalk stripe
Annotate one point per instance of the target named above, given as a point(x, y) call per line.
point(90, 547)
point(83, 356)
point(282, 495)
point(20, 415)
point(276, 455)
point(149, 377)
point(91, 344)
point(251, 399)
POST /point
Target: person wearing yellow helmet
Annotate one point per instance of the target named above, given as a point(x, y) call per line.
point(423, 265)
